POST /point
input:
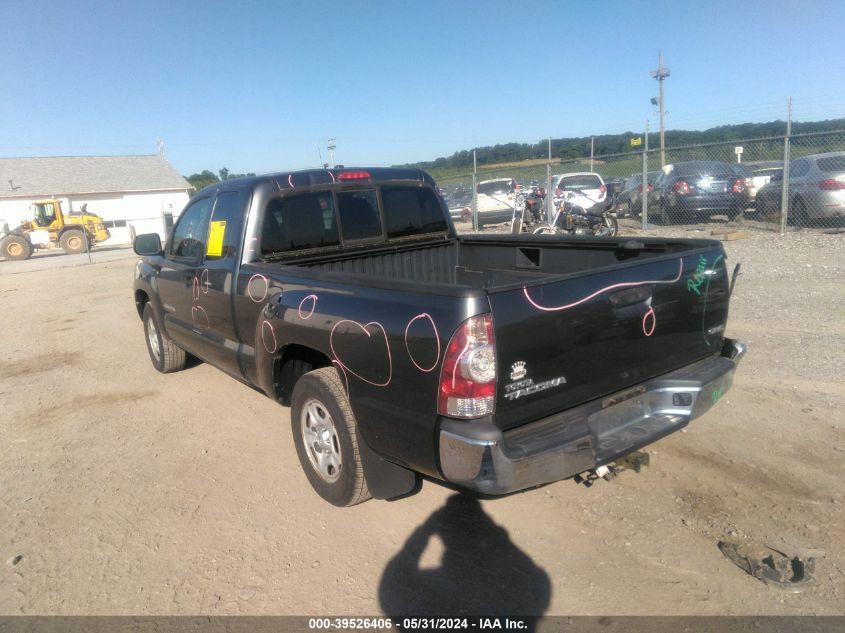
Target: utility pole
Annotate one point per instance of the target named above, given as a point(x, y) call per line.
point(784, 192)
point(592, 150)
point(660, 74)
point(331, 149)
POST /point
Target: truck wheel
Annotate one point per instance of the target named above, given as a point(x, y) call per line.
point(165, 355)
point(16, 247)
point(326, 437)
point(72, 242)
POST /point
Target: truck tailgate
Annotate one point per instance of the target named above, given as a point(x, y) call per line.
point(571, 339)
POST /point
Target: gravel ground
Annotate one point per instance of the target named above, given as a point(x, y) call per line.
point(130, 492)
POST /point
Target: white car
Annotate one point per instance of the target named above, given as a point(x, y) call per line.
point(496, 199)
point(589, 186)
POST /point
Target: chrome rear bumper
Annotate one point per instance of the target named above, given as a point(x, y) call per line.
point(479, 456)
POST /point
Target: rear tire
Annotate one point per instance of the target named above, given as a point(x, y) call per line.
point(72, 242)
point(15, 247)
point(609, 228)
point(165, 355)
point(325, 434)
point(798, 213)
point(544, 229)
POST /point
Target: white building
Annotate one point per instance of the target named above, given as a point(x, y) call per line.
point(140, 192)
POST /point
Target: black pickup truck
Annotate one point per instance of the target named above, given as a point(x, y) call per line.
point(493, 362)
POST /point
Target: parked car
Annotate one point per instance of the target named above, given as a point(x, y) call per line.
point(629, 202)
point(816, 190)
point(693, 188)
point(496, 199)
point(756, 175)
point(590, 183)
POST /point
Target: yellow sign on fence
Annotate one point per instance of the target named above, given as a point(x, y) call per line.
point(636, 141)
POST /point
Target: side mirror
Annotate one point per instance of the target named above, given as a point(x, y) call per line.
point(148, 244)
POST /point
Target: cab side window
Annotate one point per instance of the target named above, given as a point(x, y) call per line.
point(189, 236)
point(225, 224)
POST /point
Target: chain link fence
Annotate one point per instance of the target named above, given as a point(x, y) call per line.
point(766, 184)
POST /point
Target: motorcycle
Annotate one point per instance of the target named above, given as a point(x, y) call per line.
point(528, 211)
point(572, 217)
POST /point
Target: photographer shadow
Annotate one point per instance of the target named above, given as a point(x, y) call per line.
point(481, 573)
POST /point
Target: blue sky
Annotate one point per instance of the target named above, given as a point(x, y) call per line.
point(261, 86)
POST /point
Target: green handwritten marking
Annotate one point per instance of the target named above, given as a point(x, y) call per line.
point(716, 394)
point(698, 276)
point(704, 307)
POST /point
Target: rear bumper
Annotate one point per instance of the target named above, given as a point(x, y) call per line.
point(479, 456)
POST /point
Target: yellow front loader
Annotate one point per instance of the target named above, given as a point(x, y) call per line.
point(51, 228)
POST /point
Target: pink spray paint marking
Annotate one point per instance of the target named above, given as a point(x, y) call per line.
point(290, 180)
point(200, 317)
point(650, 313)
point(424, 315)
point(249, 288)
point(266, 325)
point(204, 281)
point(195, 288)
point(313, 299)
point(626, 284)
point(343, 373)
point(333, 178)
point(363, 328)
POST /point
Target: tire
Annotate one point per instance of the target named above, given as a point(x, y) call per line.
point(516, 226)
point(544, 229)
point(72, 241)
point(798, 213)
point(606, 230)
point(16, 247)
point(165, 355)
point(325, 434)
point(666, 218)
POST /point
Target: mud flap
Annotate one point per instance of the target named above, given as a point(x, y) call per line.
point(385, 480)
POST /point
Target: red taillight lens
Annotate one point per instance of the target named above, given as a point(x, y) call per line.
point(739, 185)
point(468, 377)
point(650, 188)
point(353, 175)
point(602, 189)
point(831, 184)
point(640, 189)
point(558, 192)
point(681, 187)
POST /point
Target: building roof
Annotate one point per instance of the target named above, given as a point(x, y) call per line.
point(64, 175)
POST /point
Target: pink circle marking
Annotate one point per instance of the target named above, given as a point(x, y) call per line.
point(313, 307)
point(424, 315)
point(363, 328)
point(249, 288)
point(598, 292)
point(265, 325)
point(195, 288)
point(650, 313)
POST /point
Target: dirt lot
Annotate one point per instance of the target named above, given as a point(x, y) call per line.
point(125, 491)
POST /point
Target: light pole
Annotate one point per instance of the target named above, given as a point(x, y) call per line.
point(331, 149)
point(660, 74)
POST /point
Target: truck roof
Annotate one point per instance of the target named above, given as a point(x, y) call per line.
point(310, 177)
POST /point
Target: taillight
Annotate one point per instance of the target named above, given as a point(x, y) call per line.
point(468, 377)
point(651, 188)
point(681, 187)
point(558, 192)
point(739, 185)
point(602, 189)
point(640, 189)
point(353, 175)
point(831, 184)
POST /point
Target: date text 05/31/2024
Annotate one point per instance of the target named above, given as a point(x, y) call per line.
point(431, 624)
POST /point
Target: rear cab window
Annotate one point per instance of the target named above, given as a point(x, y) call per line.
point(585, 181)
point(330, 220)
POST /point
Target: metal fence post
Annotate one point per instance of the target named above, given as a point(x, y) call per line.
point(784, 194)
point(474, 193)
point(549, 193)
point(645, 180)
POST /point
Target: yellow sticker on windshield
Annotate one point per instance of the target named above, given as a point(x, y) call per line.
point(216, 231)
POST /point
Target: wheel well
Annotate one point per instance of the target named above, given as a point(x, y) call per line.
point(290, 364)
point(141, 299)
